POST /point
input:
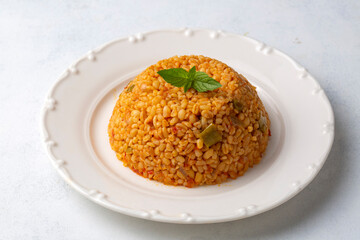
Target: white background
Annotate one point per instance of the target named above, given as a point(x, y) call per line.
point(40, 39)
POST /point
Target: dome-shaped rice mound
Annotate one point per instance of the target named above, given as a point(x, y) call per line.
point(155, 128)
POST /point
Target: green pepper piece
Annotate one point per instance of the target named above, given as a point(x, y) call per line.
point(262, 123)
point(129, 150)
point(210, 135)
point(129, 89)
point(237, 105)
point(235, 120)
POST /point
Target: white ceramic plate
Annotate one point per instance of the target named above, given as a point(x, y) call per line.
point(79, 105)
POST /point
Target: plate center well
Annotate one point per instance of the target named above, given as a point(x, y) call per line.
point(106, 159)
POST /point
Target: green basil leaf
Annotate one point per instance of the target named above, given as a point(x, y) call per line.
point(177, 77)
point(202, 82)
point(187, 86)
point(192, 73)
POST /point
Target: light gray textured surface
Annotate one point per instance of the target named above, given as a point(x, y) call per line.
point(39, 39)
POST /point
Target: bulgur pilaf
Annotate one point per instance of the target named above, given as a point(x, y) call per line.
point(156, 128)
